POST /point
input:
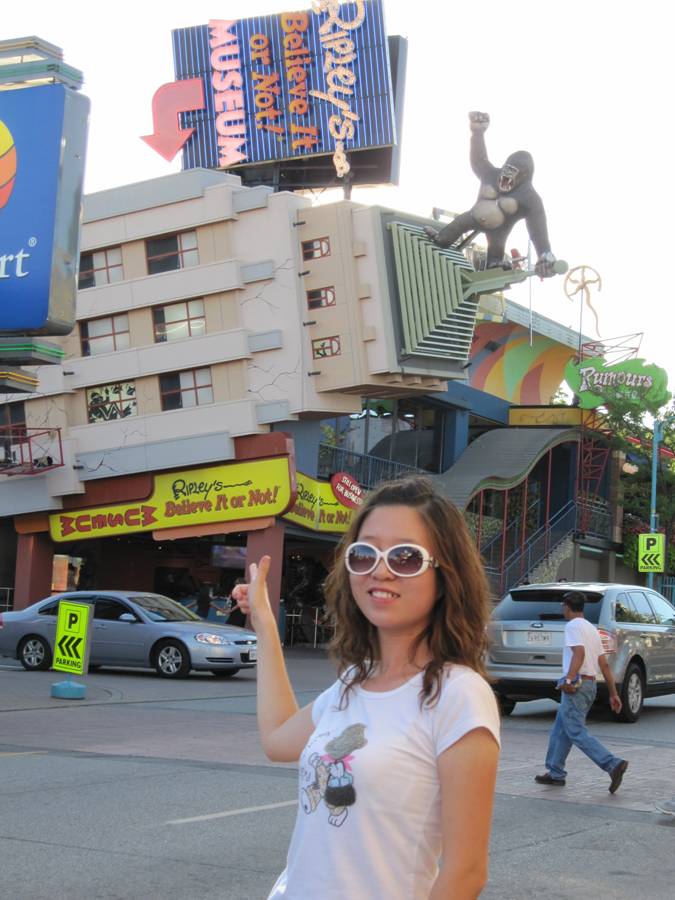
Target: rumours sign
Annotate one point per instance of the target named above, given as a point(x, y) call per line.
point(644, 386)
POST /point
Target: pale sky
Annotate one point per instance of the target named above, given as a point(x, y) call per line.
point(584, 86)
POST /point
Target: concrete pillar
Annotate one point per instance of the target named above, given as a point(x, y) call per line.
point(268, 542)
point(33, 576)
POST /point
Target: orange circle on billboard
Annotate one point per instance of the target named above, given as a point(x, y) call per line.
point(7, 164)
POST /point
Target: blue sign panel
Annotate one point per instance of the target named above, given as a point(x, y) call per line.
point(38, 238)
point(287, 86)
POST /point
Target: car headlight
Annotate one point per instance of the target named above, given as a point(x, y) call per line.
point(205, 637)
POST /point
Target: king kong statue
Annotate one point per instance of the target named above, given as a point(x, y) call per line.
point(506, 195)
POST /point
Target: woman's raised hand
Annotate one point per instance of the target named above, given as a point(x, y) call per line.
point(252, 598)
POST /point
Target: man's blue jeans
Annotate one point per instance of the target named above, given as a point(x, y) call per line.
point(570, 728)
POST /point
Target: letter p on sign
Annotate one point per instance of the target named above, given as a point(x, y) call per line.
point(651, 552)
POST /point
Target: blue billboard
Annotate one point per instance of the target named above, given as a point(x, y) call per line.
point(42, 142)
point(284, 87)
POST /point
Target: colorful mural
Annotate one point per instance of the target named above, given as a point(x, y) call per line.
point(504, 364)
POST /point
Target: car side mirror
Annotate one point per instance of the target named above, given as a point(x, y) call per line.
point(127, 617)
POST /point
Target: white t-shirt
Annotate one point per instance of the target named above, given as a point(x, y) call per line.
point(369, 821)
point(582, 633)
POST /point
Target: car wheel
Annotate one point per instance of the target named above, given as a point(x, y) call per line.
point(35, 653)
point(171, 660)
point(632, 694)
point(506, 705)
point(224, 673)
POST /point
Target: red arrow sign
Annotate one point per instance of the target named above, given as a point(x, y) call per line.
point(169, 101)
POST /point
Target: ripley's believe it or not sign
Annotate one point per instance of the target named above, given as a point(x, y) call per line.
point(286, 86)
point(225, 493)
point(633, 382)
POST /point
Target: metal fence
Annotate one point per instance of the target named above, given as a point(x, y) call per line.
point(538, 547)
point(369, 471)
point(665, 584)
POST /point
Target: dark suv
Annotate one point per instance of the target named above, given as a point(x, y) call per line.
point(637, 627)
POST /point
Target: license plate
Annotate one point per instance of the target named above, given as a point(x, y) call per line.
point(538, 637)
point(252, 654)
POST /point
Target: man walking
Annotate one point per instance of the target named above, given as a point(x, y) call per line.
point(583, 659)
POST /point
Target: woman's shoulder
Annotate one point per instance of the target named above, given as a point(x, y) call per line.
point(453, 672)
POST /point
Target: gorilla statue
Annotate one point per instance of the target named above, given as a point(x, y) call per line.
point(506, 195)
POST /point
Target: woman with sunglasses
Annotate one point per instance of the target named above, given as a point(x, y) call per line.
point(398, 758)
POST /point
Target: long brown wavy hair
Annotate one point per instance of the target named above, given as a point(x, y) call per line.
point(456, 630)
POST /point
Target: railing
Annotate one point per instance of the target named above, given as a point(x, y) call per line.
point(511, 540)
point(367, 470)
point(6, 599)
point(540, 545)
point(29, 451)
point(665, 585)
point(596, 518)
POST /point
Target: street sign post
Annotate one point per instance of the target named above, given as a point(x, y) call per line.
point(651, 552)
point(71, 647)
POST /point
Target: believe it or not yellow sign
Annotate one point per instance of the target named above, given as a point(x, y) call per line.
point(544, 416)
point(317, 507)
point(651, 552)
point(247, 490)
point(71, 647)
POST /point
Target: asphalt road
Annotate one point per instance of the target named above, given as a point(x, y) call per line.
point(157, 789)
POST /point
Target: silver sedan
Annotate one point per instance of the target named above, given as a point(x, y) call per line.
point(131, 628)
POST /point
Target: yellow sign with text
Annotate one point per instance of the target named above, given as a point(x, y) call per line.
point(226, 493)
point(317, 507)
point(71, 645)
point(651, 552)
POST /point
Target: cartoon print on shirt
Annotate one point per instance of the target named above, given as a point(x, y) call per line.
point(332, 779)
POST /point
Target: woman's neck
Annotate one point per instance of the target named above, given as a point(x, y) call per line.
point(395, 656)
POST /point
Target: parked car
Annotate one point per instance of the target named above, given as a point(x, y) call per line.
point(131, 628)
point(637, 627)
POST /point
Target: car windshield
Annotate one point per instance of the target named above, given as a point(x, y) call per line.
point(528, 604)
point(163, 609)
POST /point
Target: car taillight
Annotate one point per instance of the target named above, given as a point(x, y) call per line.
point(608, 640)
point(2, 624)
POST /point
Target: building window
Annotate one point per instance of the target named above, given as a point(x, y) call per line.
point(180, 390)
point(178, 321)
point(178, 251)
point(316, 249)
point(105, 335)
point(323, 347)
point(100, 267)
point(12, 428)
point(111, 401)
point(13, 416)
point(321, 297)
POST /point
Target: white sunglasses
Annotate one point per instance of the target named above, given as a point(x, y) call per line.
point(403, 560)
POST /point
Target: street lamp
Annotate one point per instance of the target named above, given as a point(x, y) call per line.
point(658, 437)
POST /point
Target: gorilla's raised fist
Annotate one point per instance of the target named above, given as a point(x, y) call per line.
point(479, 121)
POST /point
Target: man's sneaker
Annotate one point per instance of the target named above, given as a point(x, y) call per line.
point(667, 807)
point(617, 775)
point(549, 779)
